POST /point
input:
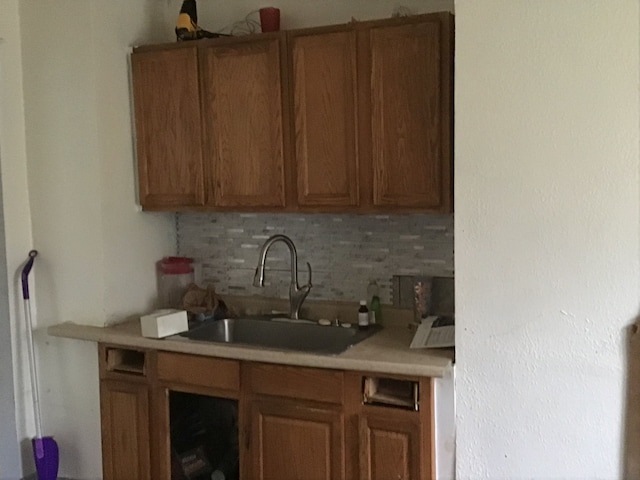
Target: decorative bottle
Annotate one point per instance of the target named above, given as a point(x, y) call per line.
point(363, 315)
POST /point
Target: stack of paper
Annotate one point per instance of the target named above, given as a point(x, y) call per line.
point(435, 332)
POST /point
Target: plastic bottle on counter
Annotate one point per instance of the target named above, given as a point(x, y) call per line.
point(363, 315)
point(175, 274)
point(375, 308)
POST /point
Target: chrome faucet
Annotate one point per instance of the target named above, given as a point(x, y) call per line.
point(296, 294)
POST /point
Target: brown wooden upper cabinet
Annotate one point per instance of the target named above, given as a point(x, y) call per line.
point(168, 135)
point(242, 112)
point(324, 76)
point(209, 121)
point(353, 118)
point(408, 69)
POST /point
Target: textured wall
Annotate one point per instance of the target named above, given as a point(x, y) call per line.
point(547, 238)
point(345, 251)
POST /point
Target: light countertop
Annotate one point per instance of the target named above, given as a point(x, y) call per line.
point(385, 352)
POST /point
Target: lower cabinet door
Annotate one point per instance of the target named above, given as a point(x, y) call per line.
point(390, 448)
point(291, 440)
point(124, 409)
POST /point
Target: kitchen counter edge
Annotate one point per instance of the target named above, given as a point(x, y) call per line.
point(385, 352)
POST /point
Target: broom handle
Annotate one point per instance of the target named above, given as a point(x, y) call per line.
point(30, 347)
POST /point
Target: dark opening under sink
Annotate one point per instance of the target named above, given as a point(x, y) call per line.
point(281, 333)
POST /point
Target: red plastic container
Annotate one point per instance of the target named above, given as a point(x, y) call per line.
point(175, 274)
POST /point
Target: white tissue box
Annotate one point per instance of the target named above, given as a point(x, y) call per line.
point(163, 323)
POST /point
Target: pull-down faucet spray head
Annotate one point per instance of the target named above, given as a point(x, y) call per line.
point(296, 294)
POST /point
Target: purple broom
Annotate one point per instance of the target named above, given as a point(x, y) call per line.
point(45, 449)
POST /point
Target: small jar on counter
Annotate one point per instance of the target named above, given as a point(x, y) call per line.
point(363, 315)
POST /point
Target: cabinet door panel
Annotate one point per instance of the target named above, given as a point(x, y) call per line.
point(408, 116)
point(294, 441)
point(324, 76)
point(168, 130)
point(125, 430)
point(243, 118)
point(389, 448)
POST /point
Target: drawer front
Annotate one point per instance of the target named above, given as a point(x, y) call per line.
point(201, 371)
point(296, 382)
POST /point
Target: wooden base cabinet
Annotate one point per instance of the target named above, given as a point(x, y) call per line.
point(287, 422)
point(125, 413)
point(389, 447)
point(391, 429)
point(292, 440)
point(293, 423)
point(125, 430)
point(196, 400)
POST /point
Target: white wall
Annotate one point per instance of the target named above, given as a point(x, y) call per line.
point(546, 212)
point(96, 250)
point(546, 250)
point(17, 232)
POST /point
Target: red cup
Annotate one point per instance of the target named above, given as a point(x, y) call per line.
point(270, 19)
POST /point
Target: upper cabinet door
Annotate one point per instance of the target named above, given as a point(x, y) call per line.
point(325, 120)
point(168, 130)
point(243, 123)
point(411, 127)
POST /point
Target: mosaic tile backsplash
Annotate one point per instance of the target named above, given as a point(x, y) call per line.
point(346, 252)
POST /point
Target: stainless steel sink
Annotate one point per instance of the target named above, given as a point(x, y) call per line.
point(280, 333)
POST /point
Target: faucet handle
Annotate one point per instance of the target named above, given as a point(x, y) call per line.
point(309, 282)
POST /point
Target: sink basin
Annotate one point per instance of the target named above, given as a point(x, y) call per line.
point(280, 333)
